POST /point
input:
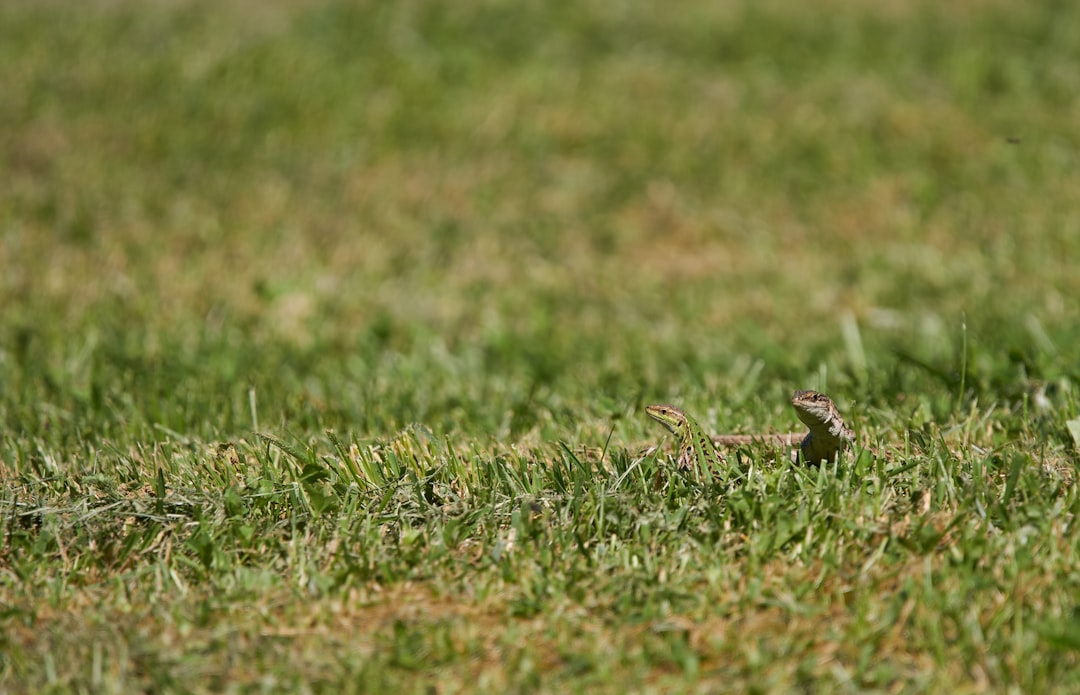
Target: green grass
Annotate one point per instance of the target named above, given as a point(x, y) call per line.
point(326, 331)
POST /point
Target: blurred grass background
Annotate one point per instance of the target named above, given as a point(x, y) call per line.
point(516, 223)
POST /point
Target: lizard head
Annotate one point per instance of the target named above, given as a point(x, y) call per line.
point(669, 416)
point(813, 408)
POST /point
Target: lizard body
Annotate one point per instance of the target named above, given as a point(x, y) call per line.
point(696, 447)
point(791, 439)
point(828, 434)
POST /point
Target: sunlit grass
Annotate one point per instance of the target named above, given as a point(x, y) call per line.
point(326, 331)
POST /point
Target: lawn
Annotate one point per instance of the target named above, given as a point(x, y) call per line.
point(327, 328)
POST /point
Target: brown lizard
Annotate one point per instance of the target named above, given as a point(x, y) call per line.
point(828, 434)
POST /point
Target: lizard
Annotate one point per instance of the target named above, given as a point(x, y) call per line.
point(827, 436)
point(696, 447)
